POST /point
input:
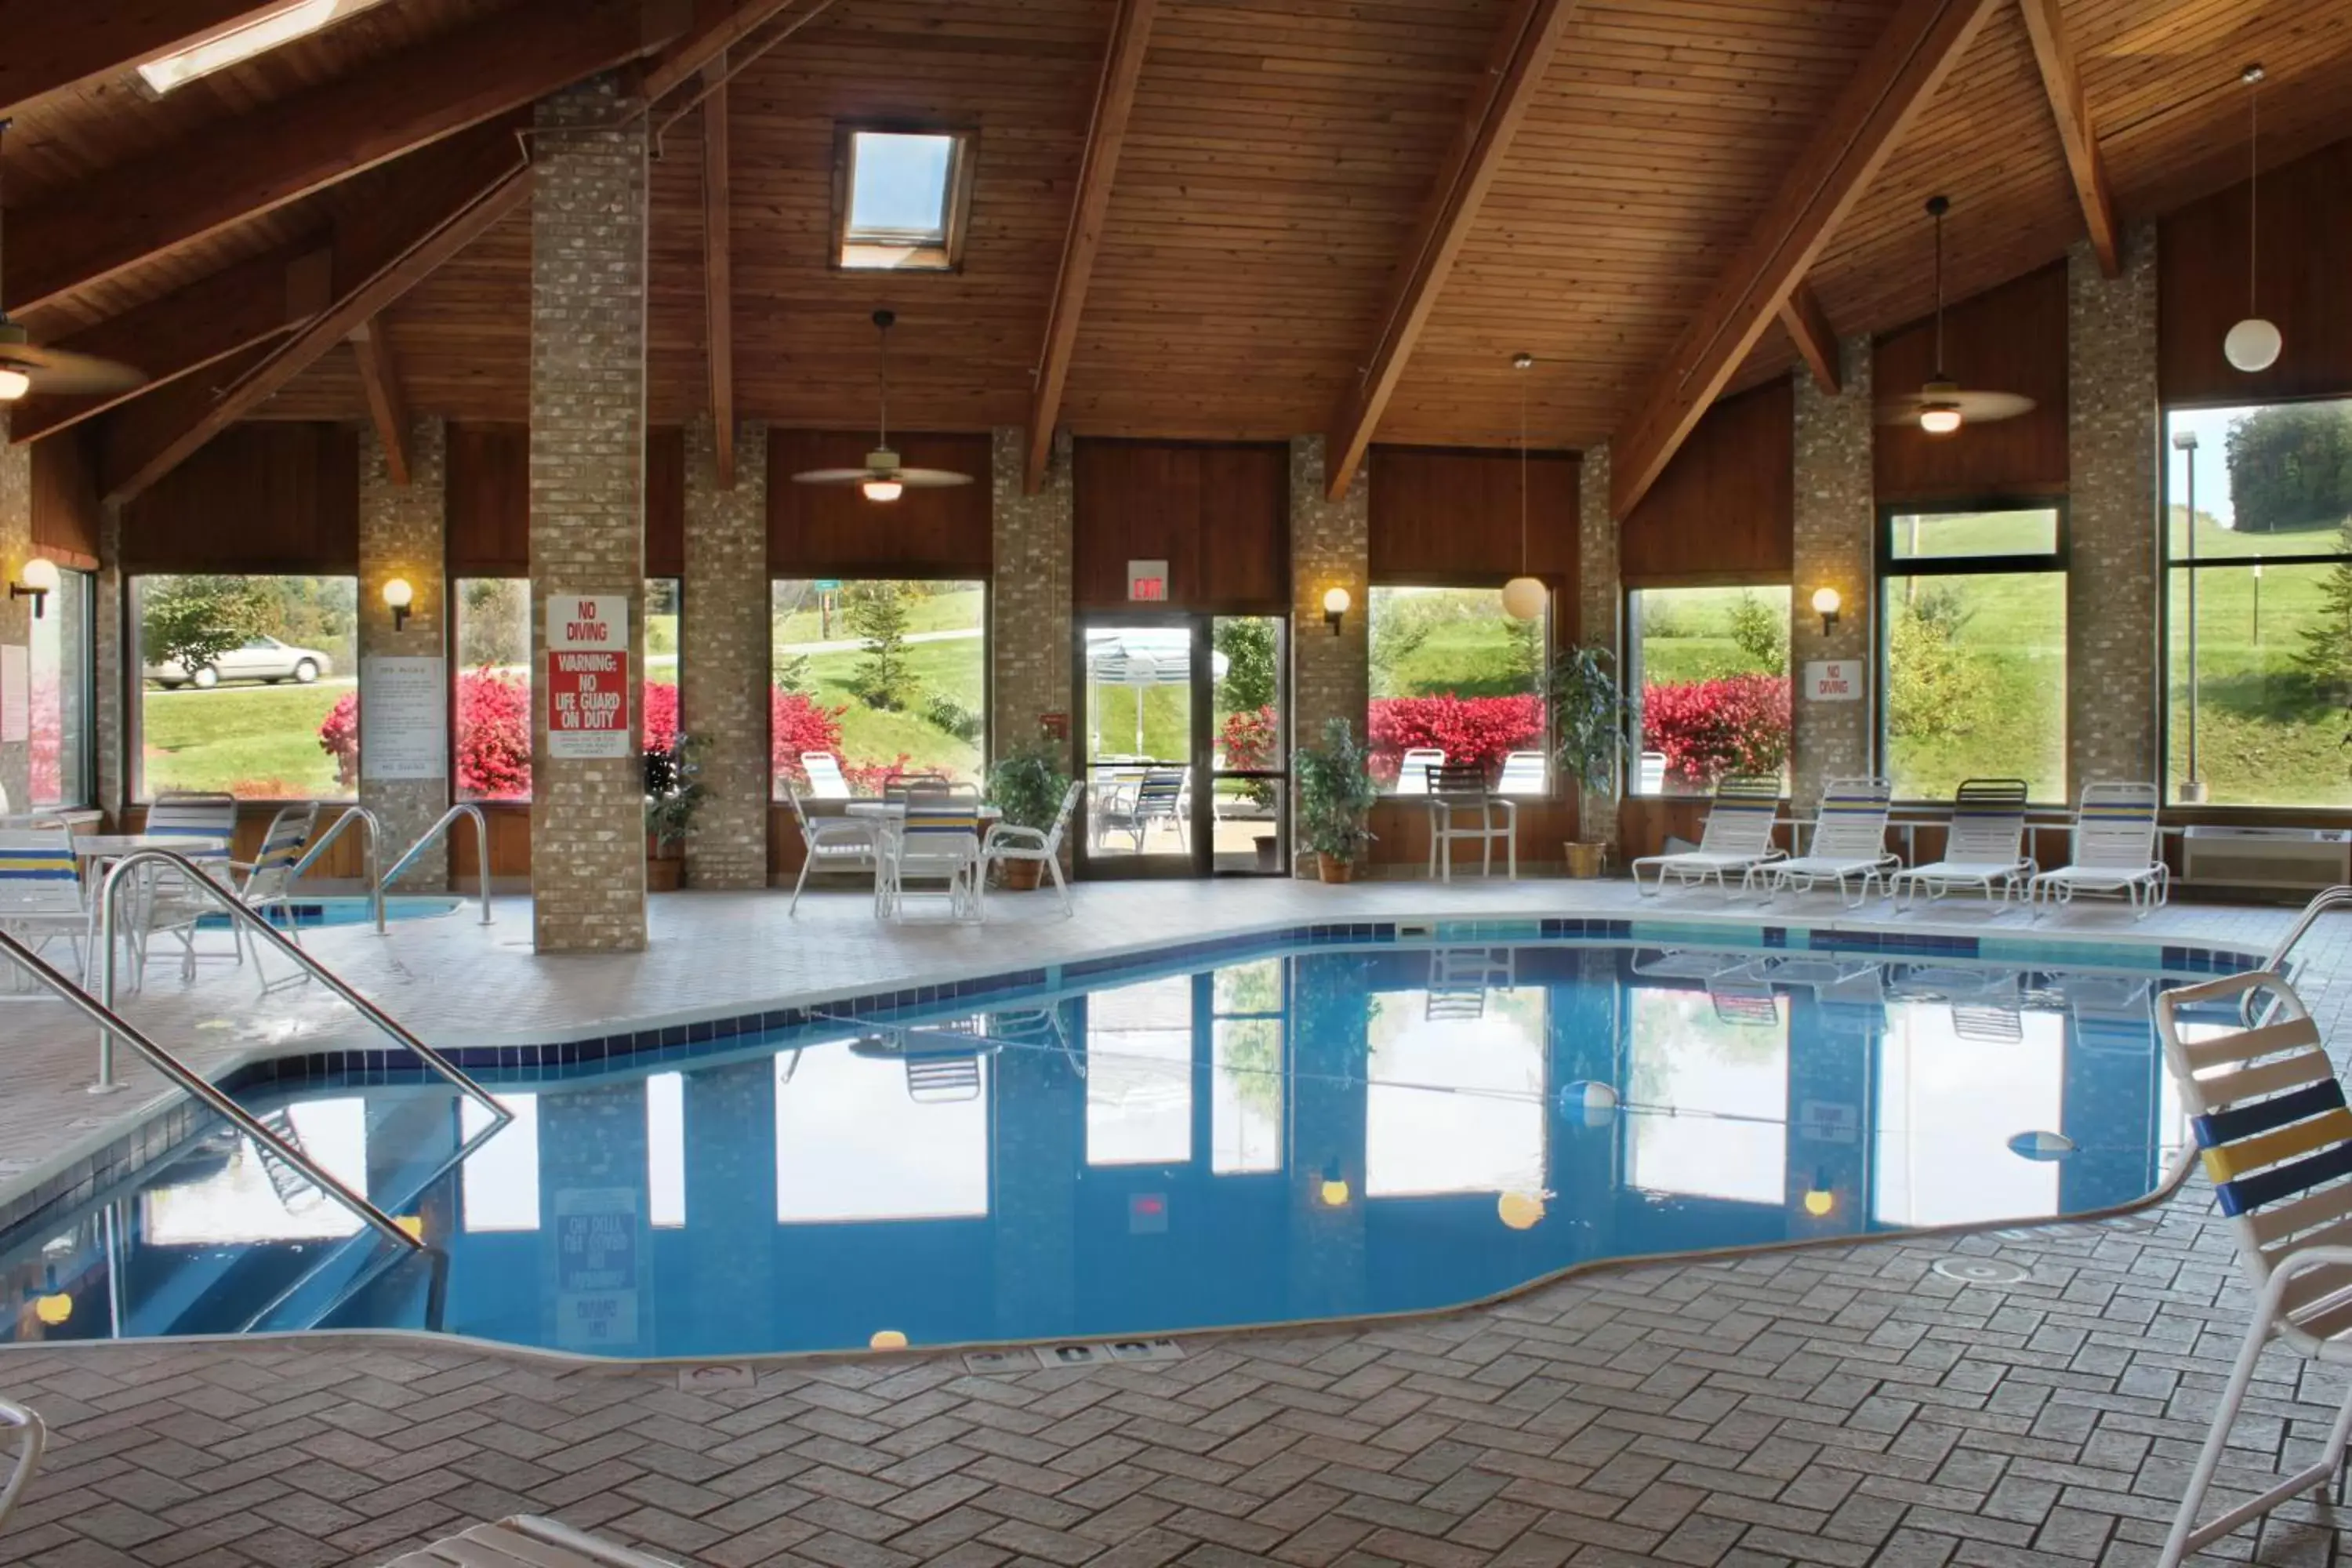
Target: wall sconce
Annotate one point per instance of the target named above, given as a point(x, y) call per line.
point(40, 582)
point(1826, 603)
point(399, 596)
point(1335, 608)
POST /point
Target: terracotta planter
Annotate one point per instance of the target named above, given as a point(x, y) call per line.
point(1584, 860)
point(1020, 875)
point(1335, 868)
point(664, 876)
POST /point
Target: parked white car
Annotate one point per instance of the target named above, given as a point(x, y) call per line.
point(261, 658)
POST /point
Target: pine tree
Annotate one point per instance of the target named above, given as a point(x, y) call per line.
point(2325, 657)
point(877, 614)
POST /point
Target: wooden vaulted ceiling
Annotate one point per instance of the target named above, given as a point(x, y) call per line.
point(1278, 203)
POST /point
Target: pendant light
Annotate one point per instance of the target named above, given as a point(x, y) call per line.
point(1523, 596)
point(1940, 407)
point(884, 478)
point(2253, 343)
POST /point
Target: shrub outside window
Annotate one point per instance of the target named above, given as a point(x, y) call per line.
point(62, 661)
point(239, 677)
point(885, 675)
point(1451, 672)
point(1710, 675)
point(491, 713)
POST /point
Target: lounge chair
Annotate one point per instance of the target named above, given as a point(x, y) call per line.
point(2115, 852)
point(1984, 848)
point(525, 1541)
point(40, 896)
point(1006, 842)
point(825, 778)
point(1849, 843)
point(1523, 774)
point(1413, 769)
point(830, 844)
point(1737, 837)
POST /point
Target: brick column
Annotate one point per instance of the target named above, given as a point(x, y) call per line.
point(2112, 440)
point(404, 533)
point(1836, 514)
point(1598, 598)
point(109, 608)
point(1330, 547)
point(723, 657)
point(15, 614)
point(1029, 631)
point(587, 496)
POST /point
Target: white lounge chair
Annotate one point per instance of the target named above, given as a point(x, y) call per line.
point(28, 1453)
point(2115, 852)
point(1007, 841)
point(1849, 843)
point(824, 770)
point(830, 844)
point(1650, 773)
point(1737, 837)
point(525, 1541)
point(1413, 769)
point(1523, 774)
point(1983, 847)
point(40, 896)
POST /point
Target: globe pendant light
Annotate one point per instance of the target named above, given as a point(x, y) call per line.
point(1940, 413)
point(1523, 596)
point(2253, 343)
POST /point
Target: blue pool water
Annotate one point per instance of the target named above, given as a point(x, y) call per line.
point(307, 914)
point(1285, 1135)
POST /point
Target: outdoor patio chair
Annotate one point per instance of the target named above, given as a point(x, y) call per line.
point(1461, 809)
point(40, 896)
point(830, 844)
point(1984, 848)
point(526, 1541)
point(170, 906)
point(1849, 843)
point(825, 778)
point(1159, 796)
point(1006, 841)
point(30, 1448)
point(1523, 774)
point(1413, 769)
point(2275, 1137)
point(268, 876)
point(1650, 773)
point(899, 787)
point(931, 843)
point(2114, 853)
point(1737, 837)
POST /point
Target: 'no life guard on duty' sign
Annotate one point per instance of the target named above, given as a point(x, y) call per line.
point(588, 676)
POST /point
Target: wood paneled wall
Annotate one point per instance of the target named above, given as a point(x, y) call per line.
point(490, 501)
point(265, 496)
point(1725, 509)
point(1450, 516)
point(833, 531)
point(2306, 256)
point(2009, 339)
point(65, 512)
point(1219, 515)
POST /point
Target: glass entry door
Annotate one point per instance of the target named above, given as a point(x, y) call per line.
point(1182, 745)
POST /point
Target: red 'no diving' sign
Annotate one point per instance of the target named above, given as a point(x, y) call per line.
point(587, 682)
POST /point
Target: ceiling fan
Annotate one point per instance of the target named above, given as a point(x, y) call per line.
point(884, 478)
point(26, 368)
point(1940, 407)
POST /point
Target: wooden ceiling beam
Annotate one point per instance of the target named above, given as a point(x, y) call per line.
point(440, 218)
point(1131, 39)
point(1515, 71)
point(2063, 85)
point(1904, 67)
point(379, 380)
point(285, 150)
point(718, 25)
point(52, 45)
point(718, 272)
point(1809, 328)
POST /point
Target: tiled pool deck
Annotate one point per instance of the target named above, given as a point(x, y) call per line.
point(1842, 1405)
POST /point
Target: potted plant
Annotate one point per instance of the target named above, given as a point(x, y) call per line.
point(674, 797)
point(1026, 785)
point(1336, 796)
point(1588, 726)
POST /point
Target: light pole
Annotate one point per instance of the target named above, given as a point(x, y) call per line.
point(2192, 788)
point(2258, 604)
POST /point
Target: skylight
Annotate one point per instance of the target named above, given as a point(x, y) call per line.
point(903, 197)
point(241, 40)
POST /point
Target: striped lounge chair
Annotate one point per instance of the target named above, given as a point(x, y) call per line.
point(2115, 852)
point(1984, 847)
point(1849, 843)
point(40, 895)
point(1737, 837)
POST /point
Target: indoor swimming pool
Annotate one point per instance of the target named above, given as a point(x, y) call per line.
point(1263, 1134)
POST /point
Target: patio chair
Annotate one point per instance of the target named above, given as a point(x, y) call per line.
point(1737, 837)
point(900, 785)
point(830, 844)
point(1849, 843)
point(824, 770)
point(1007, 842)
point(40, 896)
point(268, 876)
point(29, 1448)
point(1413, 769)
point(1523, 774)
point(172, 907)
point(1984, 848)
point(1461, 808)
point(1650, 773)
point(938, 842)
point(1159, 797)
point(526, 1541)
point(2115, 852)
point(2275, 1137)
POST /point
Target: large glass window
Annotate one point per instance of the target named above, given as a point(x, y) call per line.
point(241, 678)
point(1710, 666)
point(853, 1142)
point(1455, 680)
point(62, 661)
point(1709, 1094)
point(902, 199)
point(1973, 628)
point(1457, 1082)
point(2258, 625)
point(1139, 1074)
point(493, 707)
point(665, 599)
point(881, 676)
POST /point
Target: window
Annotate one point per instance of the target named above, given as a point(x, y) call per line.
point(852, 1144)
point(242, 39)
point(63, 659)
point(902, 199)
point(2258, 623)
point(1972, 626)
point(881, 676)
point(1708, 1091)
point(493, 707)
point(1457, 1083)
point(1245, 1113)
point(664, 603)
point(1139, 1074)
point(1949, 1101)
point(244, 686)
point(1452, 674)
point(1710, 669)
point(499, 1183)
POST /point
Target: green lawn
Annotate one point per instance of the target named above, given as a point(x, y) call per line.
point(258, 741)
point(874, 735)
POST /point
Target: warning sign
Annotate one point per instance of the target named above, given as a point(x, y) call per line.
point(587, 682)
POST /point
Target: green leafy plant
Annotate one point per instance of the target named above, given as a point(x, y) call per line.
point(877, 614)
point(942, 712)
point(1588, 718)
point(1336, 792)
point(674, 790)
point(1027, 784)
point(192, 621)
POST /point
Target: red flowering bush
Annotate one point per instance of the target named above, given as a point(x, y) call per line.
point(338, 737)
point(868, 778)
point(493, 736)
point(1482, 729)
point(797, 723)
point(1710, 727)
point(1248, 739)
point(661, 716)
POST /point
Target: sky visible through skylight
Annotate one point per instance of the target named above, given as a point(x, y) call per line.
point(901, 184)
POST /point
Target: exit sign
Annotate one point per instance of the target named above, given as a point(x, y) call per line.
point(1147, 582)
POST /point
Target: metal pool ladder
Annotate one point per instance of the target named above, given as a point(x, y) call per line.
point(448, 820)
point(2258, 1004)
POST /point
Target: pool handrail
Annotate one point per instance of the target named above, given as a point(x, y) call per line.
point(2326, 898)
point(29, 1449)
point(111, 1024)
point(374, 854)
point(110, 903)
point(448, 820)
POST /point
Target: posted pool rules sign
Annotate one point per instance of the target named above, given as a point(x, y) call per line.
point(588, 676)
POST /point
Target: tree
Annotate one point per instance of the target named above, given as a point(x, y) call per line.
point(2325, 657)
point(192, 621)
point(1248, 644)
point(1934, 686)
point(2290, 466)
point(877, 615)
point(1761, 632)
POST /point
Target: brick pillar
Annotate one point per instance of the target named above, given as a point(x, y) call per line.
point(587, 498)
point(403, 533)
point(1029, 634)
point(723, 657)
point(16, 615)
point(1598, 598)
point(1330, 547)
point(2112, 440)
point(1836, 515)
point(107, 607)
